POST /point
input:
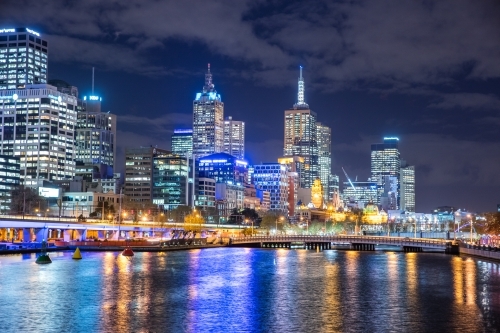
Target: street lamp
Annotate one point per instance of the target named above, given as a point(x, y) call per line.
point(470, 219)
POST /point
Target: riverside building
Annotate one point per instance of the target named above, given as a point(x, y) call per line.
point(170, 172)
point(139, 172)
point(208, 120)
point(38, 126)
point(9, 180)
point(23, 58)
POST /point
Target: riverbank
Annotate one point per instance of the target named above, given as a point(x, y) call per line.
point(485, 252)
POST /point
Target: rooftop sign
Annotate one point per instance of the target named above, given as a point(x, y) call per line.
point(3, 31)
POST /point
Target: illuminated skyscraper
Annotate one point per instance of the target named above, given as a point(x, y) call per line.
point(38, 126)
point(325, 158)
point(234, 137)
point(407, 187)
point(23, 58)
point(208, 120)
point(385, 171)
point(182, 141)
point(95, 135)
point(301, 137)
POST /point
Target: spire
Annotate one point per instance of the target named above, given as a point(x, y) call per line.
point(209, 86)
point(301, 104)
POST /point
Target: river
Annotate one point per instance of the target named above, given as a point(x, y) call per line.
point(250, 290)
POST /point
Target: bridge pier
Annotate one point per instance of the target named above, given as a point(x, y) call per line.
point(27, 235)
point(362, 247)
point(41, 234)
point(412, 249)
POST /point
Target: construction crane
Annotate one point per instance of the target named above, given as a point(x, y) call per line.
point(348, 179)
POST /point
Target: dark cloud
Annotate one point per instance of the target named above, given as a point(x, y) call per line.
point(427, 71)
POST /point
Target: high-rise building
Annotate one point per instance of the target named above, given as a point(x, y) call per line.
point(301, 136)
point(407, 187)
point(170, 173)
point(9, 180)
point(208, 120)
point(234, 137)
point(139, 172)
point(324, 140)
point(38, 125)
point(23, 58)
point(182, 142)
point(95, 134)
point(273, 178)
point(385, 171)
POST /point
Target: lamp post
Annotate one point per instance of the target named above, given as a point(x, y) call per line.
point(120, 214)
point(470, 220)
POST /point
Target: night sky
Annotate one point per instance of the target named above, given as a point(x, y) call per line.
point(425, 71)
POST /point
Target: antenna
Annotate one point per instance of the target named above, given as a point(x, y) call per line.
point(92, 81)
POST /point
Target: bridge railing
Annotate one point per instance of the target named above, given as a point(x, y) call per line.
point(401, 241)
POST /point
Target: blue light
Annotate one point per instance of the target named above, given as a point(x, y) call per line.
point(391, 138)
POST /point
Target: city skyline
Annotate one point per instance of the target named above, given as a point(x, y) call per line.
point(441, 103)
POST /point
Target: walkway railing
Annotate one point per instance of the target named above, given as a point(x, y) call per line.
point(400, 241)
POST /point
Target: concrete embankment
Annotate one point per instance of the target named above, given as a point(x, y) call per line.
point(480, 251)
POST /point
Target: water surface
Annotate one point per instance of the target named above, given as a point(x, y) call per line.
point(250, 290)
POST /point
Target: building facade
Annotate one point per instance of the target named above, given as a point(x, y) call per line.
point(170, 172)
point(324, 139)
point(9, 180)
point(301, 137)
point(223, 168)
point(205, 197)
point(38, 126)
point(385, 171)
point(23, 58)
point(407, 187)
point(234, 137)
point(208, 120)
point(139, 172)
point(182, 142)
point(95, 134)
point(273, 178)
point(358, 194)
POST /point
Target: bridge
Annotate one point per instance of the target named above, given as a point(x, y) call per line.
point(362, 243)
point(36, 228)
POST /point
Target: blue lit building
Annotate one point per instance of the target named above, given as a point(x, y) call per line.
point(224, 168)
point(273, 178)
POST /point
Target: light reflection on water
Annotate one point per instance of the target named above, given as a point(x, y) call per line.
point(250, 290)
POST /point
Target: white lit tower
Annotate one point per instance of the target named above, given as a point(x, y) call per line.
point(208, 120)
point(385, 171)
point(301, 136)
point(407, 187)
point(324, 140)
point(234, 137)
